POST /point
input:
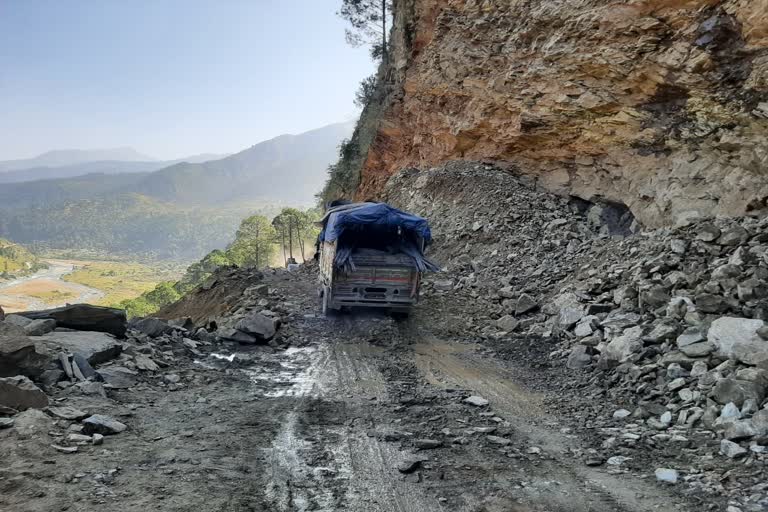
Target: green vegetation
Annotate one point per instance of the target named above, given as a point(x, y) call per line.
point(182, 211)
point(52, 296)
point(130, 225)
point(368, 19)
point(344, 175)
point(17, 260)
point(121, 280)
point(257, 242)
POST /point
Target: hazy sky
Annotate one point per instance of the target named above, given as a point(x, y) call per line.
point(170, 77)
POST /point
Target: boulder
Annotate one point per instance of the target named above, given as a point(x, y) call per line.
point(737, 391)
point(690, 336)
point(67, 413)
point(20, 356)
point(618, 320)
point(231, 334)
point(507, 323)
point(655, 296)
point(258, 325)
point(711, 303)
point(83, 369)
point(698, 349)
point(39, 327)
point(731, 449)
point(152, 327)
point(21, 394)
point(622, 347)
point(707, 232)
point(579, 357)
point(734, 236)
point(32, 422)
point(95, 347)
point(737, 430)
point(117, 377)
point(17, 320)
point(525, 304)
point(738, 338)
point(84, 317)
point(104, 425)
point(145, 363)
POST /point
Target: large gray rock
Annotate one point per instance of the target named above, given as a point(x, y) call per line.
point(84, 317)
point(579, 357)
point(104, 425)
point(525, 304)
point(232, 334)
point(737, 338)
point(118, 377)
point(152, 327)
point(731, 449)
point(698, 349)
point(507, 323)
point(39, 327)
point(20, 356)
point(17, 320)
point(622, 347)
point(258, 325)
point(21, 394)
point(95, 347)
point(737, 391)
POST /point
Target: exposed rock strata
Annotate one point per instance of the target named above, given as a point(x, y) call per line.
point(661, 105)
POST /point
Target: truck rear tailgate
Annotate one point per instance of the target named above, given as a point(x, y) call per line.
point(377, 284)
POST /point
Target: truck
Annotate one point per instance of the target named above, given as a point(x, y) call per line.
point(372, 255)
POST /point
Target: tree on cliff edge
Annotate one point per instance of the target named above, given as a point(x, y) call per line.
point(369, 24)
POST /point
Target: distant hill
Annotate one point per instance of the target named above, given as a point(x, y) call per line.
point(288, 168)
point(183, 210)
point(62, 157)
point(96, 167)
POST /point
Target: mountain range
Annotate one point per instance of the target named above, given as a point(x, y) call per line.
point(69, 163)
point(181, 210)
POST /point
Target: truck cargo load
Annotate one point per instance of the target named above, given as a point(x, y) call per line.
point(372, 255)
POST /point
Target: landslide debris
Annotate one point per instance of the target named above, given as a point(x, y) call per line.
point(653, 342)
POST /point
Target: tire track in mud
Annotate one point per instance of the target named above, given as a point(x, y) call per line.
point(578, 488)
point(322, 457)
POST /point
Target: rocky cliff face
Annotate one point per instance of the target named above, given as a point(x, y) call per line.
point(661, 105)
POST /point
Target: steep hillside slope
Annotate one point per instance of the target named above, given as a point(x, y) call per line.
point(658, 104)
point(288, 167)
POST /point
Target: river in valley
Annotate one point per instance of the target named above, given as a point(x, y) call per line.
point(45, 289)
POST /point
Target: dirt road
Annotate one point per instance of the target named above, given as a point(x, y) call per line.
point(362, 413)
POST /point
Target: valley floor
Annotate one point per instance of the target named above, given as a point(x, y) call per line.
point(45, 288)
point(360, 413)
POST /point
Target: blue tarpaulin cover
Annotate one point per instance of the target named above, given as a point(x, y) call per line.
point(362, 215)
point(365, 216)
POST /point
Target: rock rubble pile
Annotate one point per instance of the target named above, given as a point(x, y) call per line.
point(661, 333)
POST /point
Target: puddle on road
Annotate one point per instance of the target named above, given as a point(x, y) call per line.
point(276, 374)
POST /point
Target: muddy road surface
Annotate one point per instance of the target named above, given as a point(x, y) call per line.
point(360, 413)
